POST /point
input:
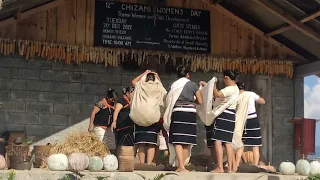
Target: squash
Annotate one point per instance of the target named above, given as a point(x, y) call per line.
point(314, 168)
point(2, 162)
point(95, 164)
point(303, 167)
point(110, 163)
point(57, 162)
point(287, 168)
point(78, 161)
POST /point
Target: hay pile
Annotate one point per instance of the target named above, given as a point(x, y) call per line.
point(84, 142)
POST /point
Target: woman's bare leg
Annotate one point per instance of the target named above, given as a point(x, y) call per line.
point(142, 153)
point(238, 156)
point(219, 155)
point(256, 155)
point(230, 156)
point(151, 150)
point(180, 155)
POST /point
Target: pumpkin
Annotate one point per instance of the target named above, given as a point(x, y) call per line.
point(110, 162)
point(2, 162)
point(287, 168)
point(57, 162)
point(303, 167)
point(95, 164)
point(314, 168)
point(78, 161)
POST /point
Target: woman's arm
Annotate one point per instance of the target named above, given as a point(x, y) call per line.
point(117, 109)
point(217, 93)
point(261, 101)
point(137, 79)
point(199, 97)
point(93, 115)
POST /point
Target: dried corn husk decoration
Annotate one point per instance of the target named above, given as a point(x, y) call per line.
point(114, 57)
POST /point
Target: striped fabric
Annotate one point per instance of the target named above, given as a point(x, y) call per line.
point(252, 132)
point(222, 129)
point(146, 135)
point(183, 128)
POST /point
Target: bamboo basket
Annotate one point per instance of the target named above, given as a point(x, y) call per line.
point(17, 150)
point(126, 158)
point(41, 153)
point(20, 162)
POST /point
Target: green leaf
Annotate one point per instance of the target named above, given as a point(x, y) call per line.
point(142, 176)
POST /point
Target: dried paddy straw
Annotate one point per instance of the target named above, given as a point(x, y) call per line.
point(84, 142)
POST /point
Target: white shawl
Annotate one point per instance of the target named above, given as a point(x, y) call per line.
point(204, 109)
point(241, 118)
point(146, 102)
point(171, 99)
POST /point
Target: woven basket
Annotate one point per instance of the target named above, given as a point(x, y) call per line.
point(41, 153)
point(17, 150)
point(126, 158)
point(20, 162)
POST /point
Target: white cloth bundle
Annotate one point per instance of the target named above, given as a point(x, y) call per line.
point(146, 102)
point(241, 118)
point(171, 99)
point(204, 109)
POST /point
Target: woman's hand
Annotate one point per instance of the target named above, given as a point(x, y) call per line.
point(147, 71)
point(91, 127)
point(113, 126)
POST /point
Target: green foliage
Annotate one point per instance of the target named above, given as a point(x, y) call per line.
point(102, 178)
point(158, 176)
point(12, 175)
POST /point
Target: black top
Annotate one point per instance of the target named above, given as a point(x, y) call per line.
point(124, 119)
point(104, 117)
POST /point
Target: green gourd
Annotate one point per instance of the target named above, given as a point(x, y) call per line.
point(95, 164)
point(287, 168)
point(57, 162)
point(303, 167)
point(78, 161)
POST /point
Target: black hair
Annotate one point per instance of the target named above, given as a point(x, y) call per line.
point(111, 93)
point(232, 74)
point(241, 85)
point(127, 89)
point(150, 77)
point(182, 71)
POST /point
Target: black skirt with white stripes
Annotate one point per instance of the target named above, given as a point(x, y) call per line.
point(183, 127)
point(222, 129)
point(252, 133)
point(146, 135)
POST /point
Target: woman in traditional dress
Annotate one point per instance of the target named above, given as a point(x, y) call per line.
point(102, 115)
point(221, 131)
point(122, 124)
point(252, 133)
point(183, 127)
point(145, 138)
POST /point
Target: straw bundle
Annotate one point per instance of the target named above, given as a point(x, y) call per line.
point(86, 143)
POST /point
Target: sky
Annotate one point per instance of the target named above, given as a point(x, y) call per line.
point(312, 101)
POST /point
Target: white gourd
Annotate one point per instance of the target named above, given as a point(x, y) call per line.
point(303, 167)
point(287, 168)
point(110, 163)
point(95, 164)
point(78, 161)
point(57, 162)
point(314, 168)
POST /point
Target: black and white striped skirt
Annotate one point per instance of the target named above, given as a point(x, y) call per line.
point(252, 132)
point(124, 136)
point(146, 135)
point(222, 129)
point(183, 127)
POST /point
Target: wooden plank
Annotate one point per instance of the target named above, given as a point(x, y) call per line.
point(177, 3)
point(170, 3)
point(250, 43)
point(52, 25)
point(216, 32)
point(90, 23)
point(81, 22)
point(274, 51)
point(257, 46)
point(241, 42)
point(72, 21)
point(267, 49)
point(287, 27)
point(234, 37)
point(289, 19)
point(41, 26)
point(30, 12)
point(62, 24)
point(186, 3)
point(226, 36)
point(256, 30)
point(11, 31)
